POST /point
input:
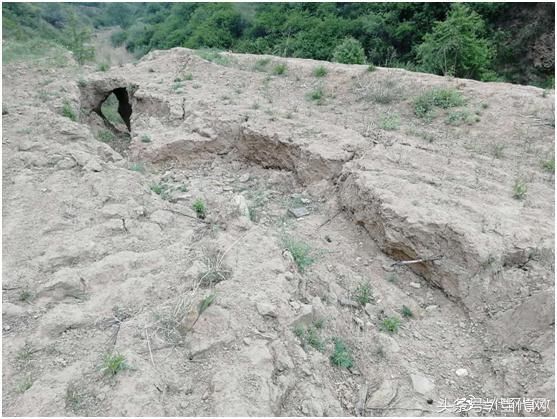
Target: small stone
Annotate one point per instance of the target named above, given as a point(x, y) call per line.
point(205, 395)
point(421, 384)
point(359, 322)
point(305, 201)
point(266, 309)
point(7, 327)
point(431, 308)
point(244, 177)
point(461, 372)
point(415, 285)
point(247, 341)
point(388, 268)
point(298, 212)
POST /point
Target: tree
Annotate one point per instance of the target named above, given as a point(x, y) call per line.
point(455, 46)
point(77, 39)
point(349, 51)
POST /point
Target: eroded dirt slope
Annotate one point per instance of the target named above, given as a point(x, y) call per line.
point(103, 253)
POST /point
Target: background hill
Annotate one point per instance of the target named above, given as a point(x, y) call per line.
point(483, 41)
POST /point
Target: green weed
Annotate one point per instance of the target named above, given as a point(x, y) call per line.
point(113, 364)
point(320, 71)
point(390, 324)
point(200, 208)
point(341, 356)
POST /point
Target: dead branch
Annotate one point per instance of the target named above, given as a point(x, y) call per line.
point(410, 262)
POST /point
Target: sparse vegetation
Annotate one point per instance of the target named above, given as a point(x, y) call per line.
point(317, 95)
point(161, 189)
point(320, 71)
point(145, 138)
point(520, 189)
point(68, 112)
point(406, 312)
point(301, 253)
point(391, 277)
point(279, 69)
point(549, 165)
point(498, 150)
point(341, 356)
point(460, 117)
point(363, 293)
point(105, 136)
point(24, 384)
point(113, 364)
point(261, 64)
point(188, 77)
point(200, 209)
point(371, 68)
point(390, 122)
point(214, 56)
point(390, 324)
point(425, 104)
point(215, 269)
point(137, 167)
point(103, 67)
point(309, 336)
point(25, 296)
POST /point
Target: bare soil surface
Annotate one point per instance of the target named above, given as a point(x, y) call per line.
point(237, 313)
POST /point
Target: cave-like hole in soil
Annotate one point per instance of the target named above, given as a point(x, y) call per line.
point(117, 110)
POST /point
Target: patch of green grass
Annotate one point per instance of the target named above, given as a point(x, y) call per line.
point(279, 69)
point(103, 67)
point(109, 109)
point(68, 112)
point(484, 105)
point(214, 56)
point(320, 71)
point(24, 384)
point(138, 167)
point(363, 293)
point(406, 312)
point(261, 65)
point(74, 398)
point(161, 189)
point(549, 165)
point(319, 323)
point(113, 364)
point(200, 208)
point(25, 354)
point(301, 253)
point(188, 77)
point(519, 190)
point(177, 86)
point(341, 356)
point(316, 95)
point(145, 138)
point(390, 324)
point(425, 104)
point(309, 336)
point(105, 136)
point(390, 122)
point(25, 296)
point(457, 118)
point(498, 150)
point(371, 68)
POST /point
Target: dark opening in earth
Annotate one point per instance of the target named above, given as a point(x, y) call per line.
point(116, 108)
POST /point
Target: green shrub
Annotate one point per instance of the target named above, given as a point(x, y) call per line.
point(113, 364)
point(406, 312)
point(68, 112)
point(425, 104)
point(549, 165)
point(349, 51)
point(301, 253)
point(200, 209)
point(390, 324)
point(279, 69)
point(103, 67)
point(261, 65)
point(371, 68)
point(105, 136)
point(316, 95)
point(363, 294)
point(390, 122)
point(457, 118)
point(455, 46)
point(145, 138)
point(519, 190)
point(341, 356)
point(320, 71)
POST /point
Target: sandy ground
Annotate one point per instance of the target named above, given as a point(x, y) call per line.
point(242, 312)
